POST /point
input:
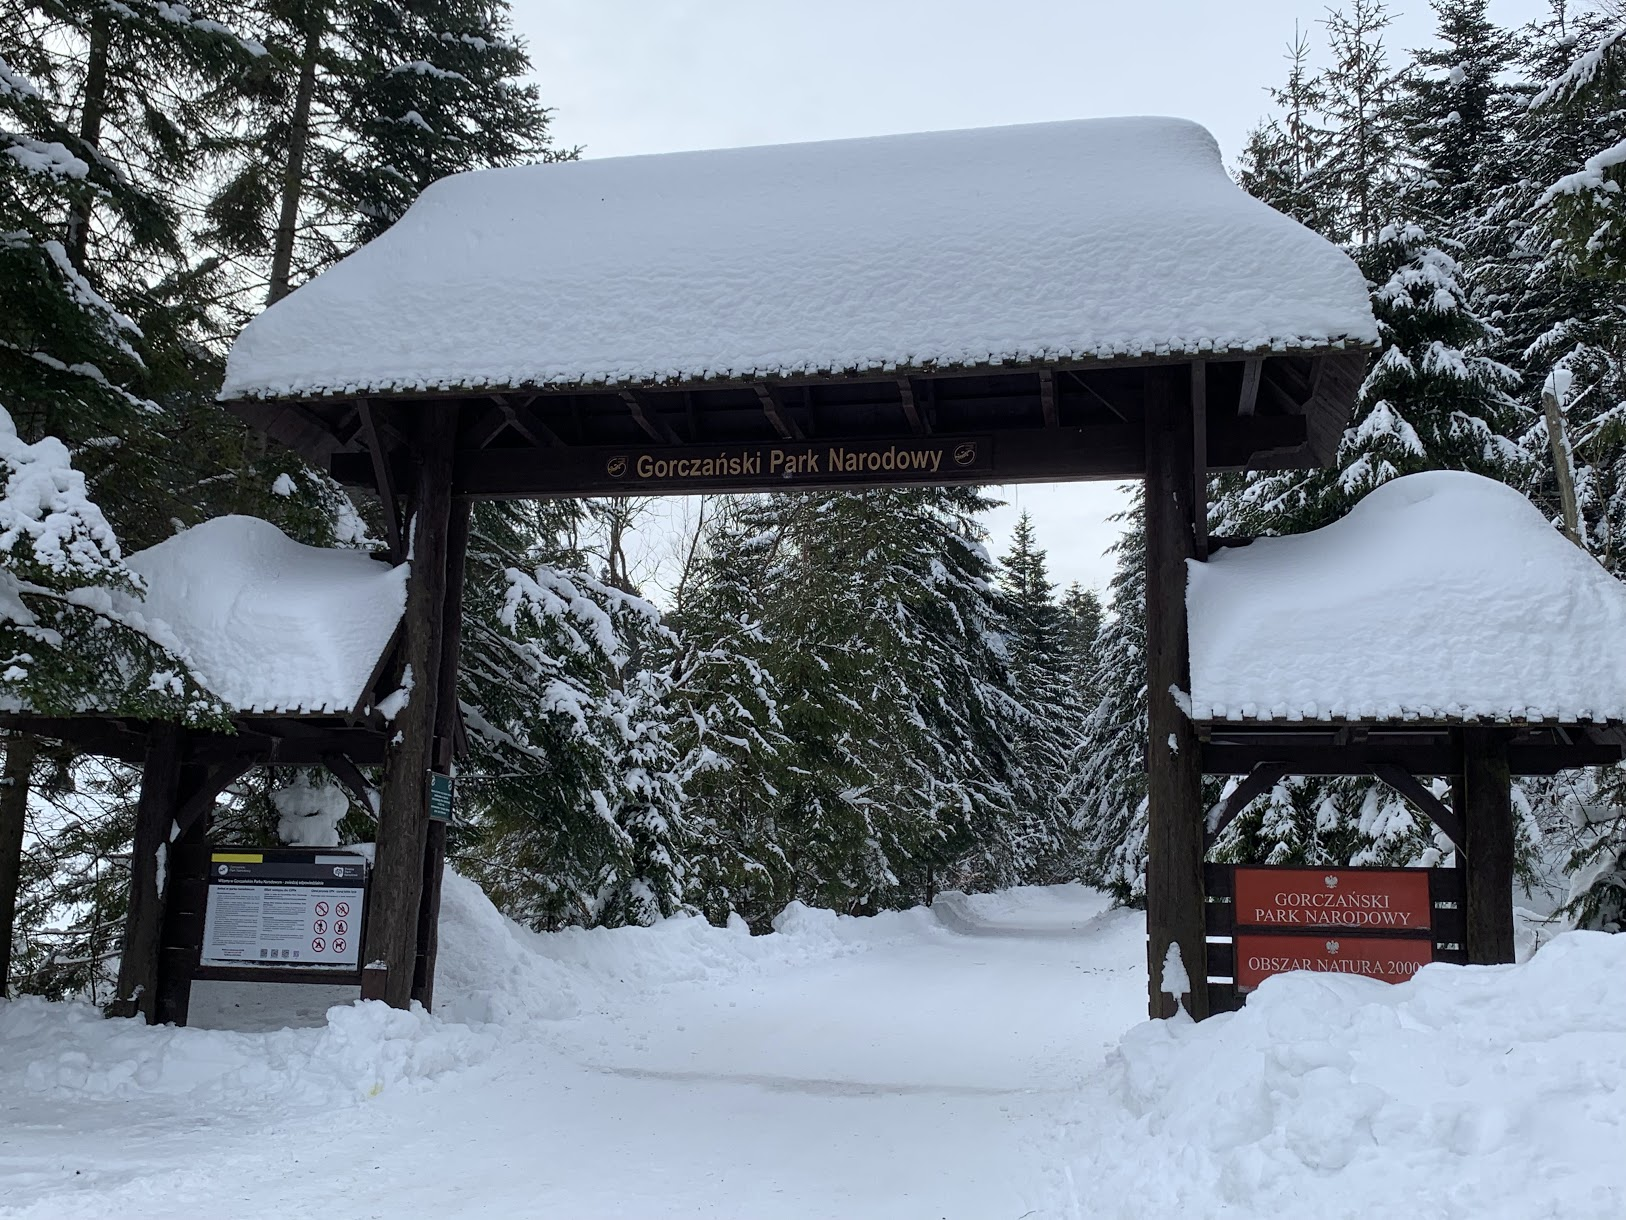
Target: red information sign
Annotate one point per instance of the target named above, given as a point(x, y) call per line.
point(1342, 899)
point(1379, 957)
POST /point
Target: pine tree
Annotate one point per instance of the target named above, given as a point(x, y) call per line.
point(1048, 661)
point(727, 726)
point(1282, 160)
point(573, 785)
point(1109, 793)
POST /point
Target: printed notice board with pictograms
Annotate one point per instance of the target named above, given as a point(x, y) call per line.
point(265, 909)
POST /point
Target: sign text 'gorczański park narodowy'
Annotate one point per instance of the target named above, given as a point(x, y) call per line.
point(820, 462)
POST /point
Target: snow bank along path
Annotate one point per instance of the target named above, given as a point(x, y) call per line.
point(885, 1067)
point(968, 1062)
point(1440, 595)
point(1093, 238)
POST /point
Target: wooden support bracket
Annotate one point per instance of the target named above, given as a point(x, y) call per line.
point(383, 481)
point(1249, 397)
point(911, 409)
point(1047, 398)
point(782, 423)
point(1256, 783)
point(1436, 810)
point(654, 427)
point(525, 420)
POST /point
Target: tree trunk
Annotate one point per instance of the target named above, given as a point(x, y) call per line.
point(1174, 779)
point(1563, 464)
point(90, 131)
point(20, 754)
point(293, 176)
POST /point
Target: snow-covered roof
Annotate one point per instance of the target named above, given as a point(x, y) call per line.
point(1098, 238)
point(266, 623)
point(1441, 596)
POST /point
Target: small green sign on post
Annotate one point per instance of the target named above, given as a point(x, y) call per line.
point(440, 797)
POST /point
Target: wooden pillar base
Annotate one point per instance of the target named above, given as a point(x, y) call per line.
point(1487, 826)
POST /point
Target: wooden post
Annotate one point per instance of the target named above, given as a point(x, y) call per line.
point(1174, 778)
point(403, 816)
point(21, 751)
point(180, 926)
point(155, 812)
point(1487, 823)
point(446, 727)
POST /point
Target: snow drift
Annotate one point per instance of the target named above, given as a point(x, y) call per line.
point(1440, 596)
point(1093, 238)
point(1469, 1091)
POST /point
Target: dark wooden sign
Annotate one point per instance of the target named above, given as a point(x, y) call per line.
point(1392, 959)
point(1368, 899)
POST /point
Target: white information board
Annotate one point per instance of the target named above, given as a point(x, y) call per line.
point(266, 911)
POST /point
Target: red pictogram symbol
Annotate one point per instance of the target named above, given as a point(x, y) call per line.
point(344, 909)
point(340, 927)
point(338, 946)
point(321, 908)
point(319, 927)
point(319, 945)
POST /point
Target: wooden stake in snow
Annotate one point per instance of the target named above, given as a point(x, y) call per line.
point(1553, 393)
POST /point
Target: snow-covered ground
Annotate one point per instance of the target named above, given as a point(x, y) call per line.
point(984, 1059)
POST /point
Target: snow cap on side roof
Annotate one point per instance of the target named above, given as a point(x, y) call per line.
point(266, 623)
point(1441, 596)
point(1098, 238)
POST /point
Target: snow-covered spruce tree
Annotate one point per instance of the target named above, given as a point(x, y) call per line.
point(885, 637)
point(1433, 398)
point(1108, 795)
point(725, 703)
point(1048, 660)
point(65, 643)
point(572, 787)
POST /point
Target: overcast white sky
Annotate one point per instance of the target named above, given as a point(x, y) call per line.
point(643, 76)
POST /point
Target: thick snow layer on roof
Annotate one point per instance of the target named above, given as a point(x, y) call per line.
point(1440, 596)
point(1092, 238)
point(268, 624)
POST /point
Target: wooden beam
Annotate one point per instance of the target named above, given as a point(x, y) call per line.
point(781, 421)
point(137, 993)
point(1099, 397)
point(654, 427)
point(383, 482)
point(1249, 398)
point(911, 409)
point(487, 427)
point(403, 823)
point(527, 421)
point(1047, 398)
point(1487, 822)
point(1174, 780)
point(1199, 457)
point(1256, 783)
point(1426, 803)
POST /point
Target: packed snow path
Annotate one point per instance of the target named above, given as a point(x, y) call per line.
point(911, 1065)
